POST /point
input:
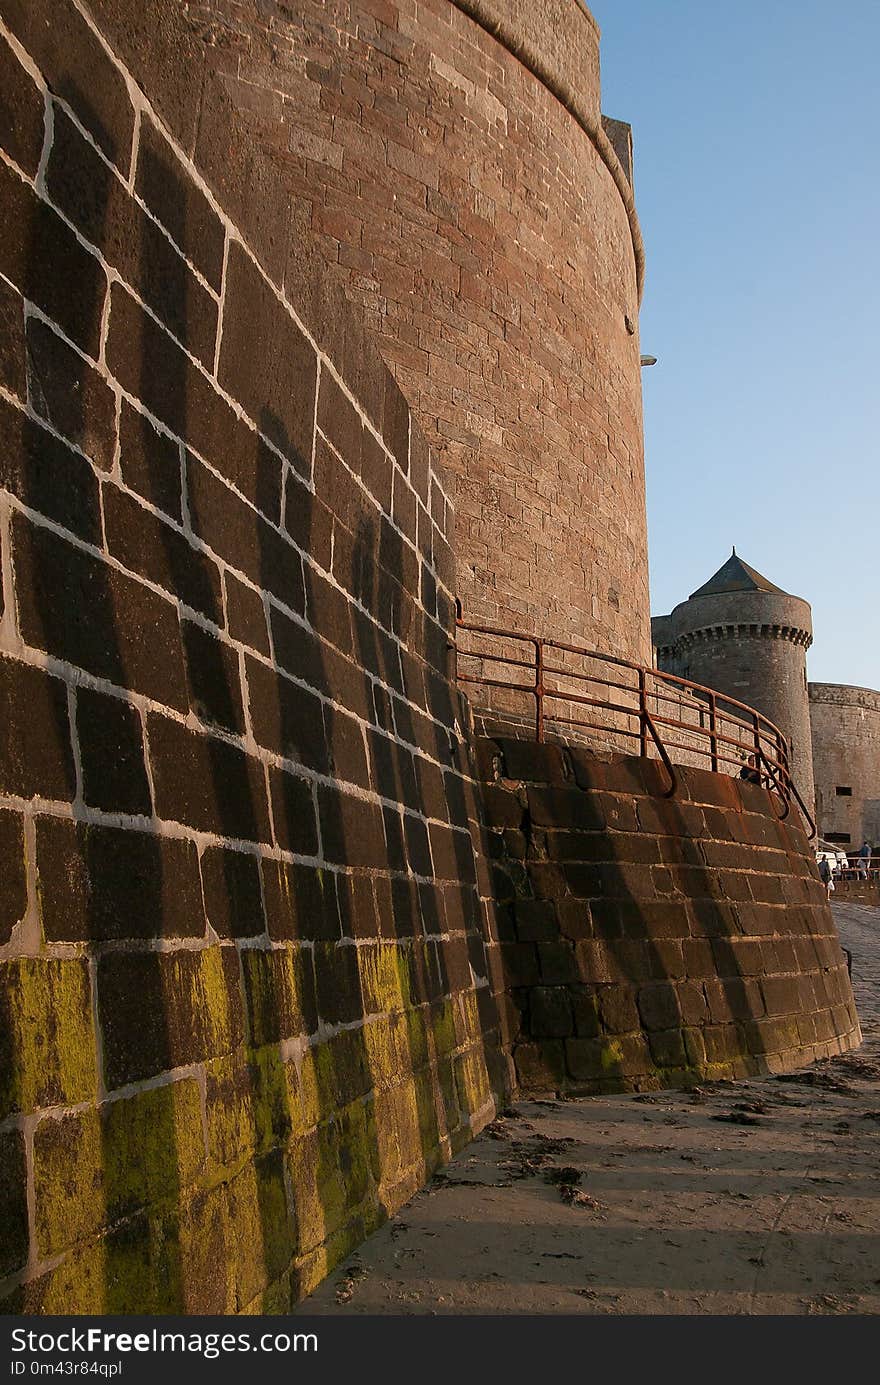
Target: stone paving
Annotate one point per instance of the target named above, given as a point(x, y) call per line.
point(760, 1197)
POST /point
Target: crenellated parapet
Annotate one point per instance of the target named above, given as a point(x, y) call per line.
point(741, 631)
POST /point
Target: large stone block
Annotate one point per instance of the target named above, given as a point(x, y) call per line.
point(179, 204)
point(47, 1040)
point(70, 395)
point(111, 752)
point(102, 883)
point(93, 1167)
point(81, 610)
point(13, 1203)
point(47, 475)
point(13, 898)
point(276, 386)
point(42, 257)
point(163, 1010)
point(77, 68)
point(232, 894)
point(206, 783)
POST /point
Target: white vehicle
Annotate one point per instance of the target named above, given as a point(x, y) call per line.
point(837, 860)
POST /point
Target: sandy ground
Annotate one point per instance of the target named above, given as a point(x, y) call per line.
point(759, 1197)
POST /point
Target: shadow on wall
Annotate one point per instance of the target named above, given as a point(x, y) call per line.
point(652, 941)
point(269, 1089)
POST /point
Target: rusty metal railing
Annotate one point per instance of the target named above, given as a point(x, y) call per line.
point(597, 697)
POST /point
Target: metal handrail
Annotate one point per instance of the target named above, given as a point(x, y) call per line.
point(733, 733)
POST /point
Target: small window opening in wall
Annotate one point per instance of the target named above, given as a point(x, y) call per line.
point(843, 791)
point(842, 837)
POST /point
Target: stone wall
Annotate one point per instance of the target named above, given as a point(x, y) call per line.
point(450, 160)
point(244, 1006)
point(846, 755)
point(645, 940)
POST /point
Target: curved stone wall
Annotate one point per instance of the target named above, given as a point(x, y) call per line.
point(846, 756)
point(244, 1007)
point(646, 941)
point(751, 646)
point(452, 164)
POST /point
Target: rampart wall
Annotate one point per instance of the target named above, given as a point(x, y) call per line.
point(846, 756)
point(645, 941)
point(244, 1007)
point(254, 934)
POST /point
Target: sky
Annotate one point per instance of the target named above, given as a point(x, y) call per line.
point(756, 135)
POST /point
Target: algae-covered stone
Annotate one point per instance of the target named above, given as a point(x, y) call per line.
point(342, 1068)
point(205, 1238)
point(432, 1116)
point(417, 1038)
point(307, 1181)
point(95, 1167)
point(358, 1157)
point(443, 1026)
point(279, 993)
point(251, 1103)
point(263, 1226)
point(332, 1171)
point(385, 978)
point(471, 1080)
point(386, 1046)
point(134, 1269)
point(466, 1012)
point(47, 1041)
point(448, 1092)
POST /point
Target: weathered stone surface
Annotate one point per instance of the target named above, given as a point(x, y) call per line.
point(231, 887)
point(13, 1203)
point(94, 1167)
point(101, 883)
point(41, 256)
point(80, 609)
point(13, 898)
point(164, 1010)
point(206, 783)
point(111, 750)
point(47, 475)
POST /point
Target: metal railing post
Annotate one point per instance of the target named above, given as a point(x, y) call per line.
point(643, 716)
point(713, 733)
point(539, 690)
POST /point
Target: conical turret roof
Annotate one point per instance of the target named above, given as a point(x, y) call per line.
point(736, 576)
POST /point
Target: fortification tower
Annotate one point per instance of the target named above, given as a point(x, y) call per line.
point(846, 762)
point(274, 936)
point(745, 637)
point(451, 162)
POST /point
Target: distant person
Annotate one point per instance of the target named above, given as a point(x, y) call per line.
point(750, 771)
point(864, 861)
point(826, 875)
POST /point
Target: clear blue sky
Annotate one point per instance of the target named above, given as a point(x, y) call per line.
point(756, 136)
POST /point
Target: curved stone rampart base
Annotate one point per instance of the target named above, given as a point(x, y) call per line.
point(647, 941)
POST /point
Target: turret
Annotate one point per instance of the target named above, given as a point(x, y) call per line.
point(748, 639)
